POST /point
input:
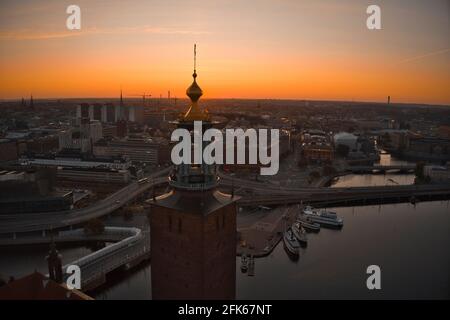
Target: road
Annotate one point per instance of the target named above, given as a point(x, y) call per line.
point(60, 219)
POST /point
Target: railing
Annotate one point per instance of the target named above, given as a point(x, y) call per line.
point(99, 263)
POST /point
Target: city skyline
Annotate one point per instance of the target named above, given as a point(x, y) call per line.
point(313, 50)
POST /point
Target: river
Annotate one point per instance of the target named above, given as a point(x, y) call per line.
point(408, 242)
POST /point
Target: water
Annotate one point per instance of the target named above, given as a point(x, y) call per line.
point(409, 243)
point(362, 180)
point(387, 179)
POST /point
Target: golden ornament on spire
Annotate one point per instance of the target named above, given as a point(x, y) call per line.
point(194, 92)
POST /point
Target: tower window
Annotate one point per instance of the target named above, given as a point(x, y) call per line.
point(223, 221)
point(179, 225)
point(170, 223)
point(217, 223)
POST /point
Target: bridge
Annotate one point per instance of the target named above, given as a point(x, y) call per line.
point(347, 196)
point(62, 219)
point(131, 246)
point(381, 168)
point(62, 236)
point(132, 249)
point(259, 193)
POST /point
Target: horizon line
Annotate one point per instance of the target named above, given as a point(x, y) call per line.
point(26, 98)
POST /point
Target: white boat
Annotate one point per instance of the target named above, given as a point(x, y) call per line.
point(244, 263)
point(309, 225)
point(291, 243)
point(300, 233)
point(324, 217)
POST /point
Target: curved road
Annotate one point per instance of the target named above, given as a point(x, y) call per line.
point(60, 219)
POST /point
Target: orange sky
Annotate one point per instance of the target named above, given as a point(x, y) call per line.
point(275, 49)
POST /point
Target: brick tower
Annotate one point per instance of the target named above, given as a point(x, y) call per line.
point(193, 227)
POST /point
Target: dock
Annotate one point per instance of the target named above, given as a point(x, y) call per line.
point(260, 238)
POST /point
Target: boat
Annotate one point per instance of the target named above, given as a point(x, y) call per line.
point(251, 266)
point(308, 224)
point(244, 263)
point(324, 218)
point(300, 233)
point(291, 244)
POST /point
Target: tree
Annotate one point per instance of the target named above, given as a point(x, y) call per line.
point(342, 150)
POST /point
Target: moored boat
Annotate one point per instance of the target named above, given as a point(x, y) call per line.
point(324, 218)
point(308, 224)
point(300, 233)
point(291, 244)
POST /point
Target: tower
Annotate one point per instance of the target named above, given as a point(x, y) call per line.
point(31, 102)
point(54, 262)
point(193, 227)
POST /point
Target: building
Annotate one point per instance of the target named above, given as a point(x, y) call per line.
point(109, 131)
point(8, 150)
point(318, 152)
point(193, 229)
point(94, 176)
point(429, 148)
point(122, 128)
point(82, 136)
point(43, 144)
point(31, 191)
point(438, 174)
point(139, 150)
point(348, 139)
point(36, 286)
point(316, 147)
point(109, 113)
point(97, 111)
point(72, 158)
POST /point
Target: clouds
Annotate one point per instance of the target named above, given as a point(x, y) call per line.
point(425, 55)
point(39, 35)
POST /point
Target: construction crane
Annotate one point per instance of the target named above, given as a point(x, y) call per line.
point(143, 95)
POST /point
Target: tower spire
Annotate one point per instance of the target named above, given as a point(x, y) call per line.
point(195, 58)
point(194, 92)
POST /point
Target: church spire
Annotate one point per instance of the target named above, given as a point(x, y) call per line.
point(121, 97)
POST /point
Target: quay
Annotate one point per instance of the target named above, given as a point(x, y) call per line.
point(260, 238)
